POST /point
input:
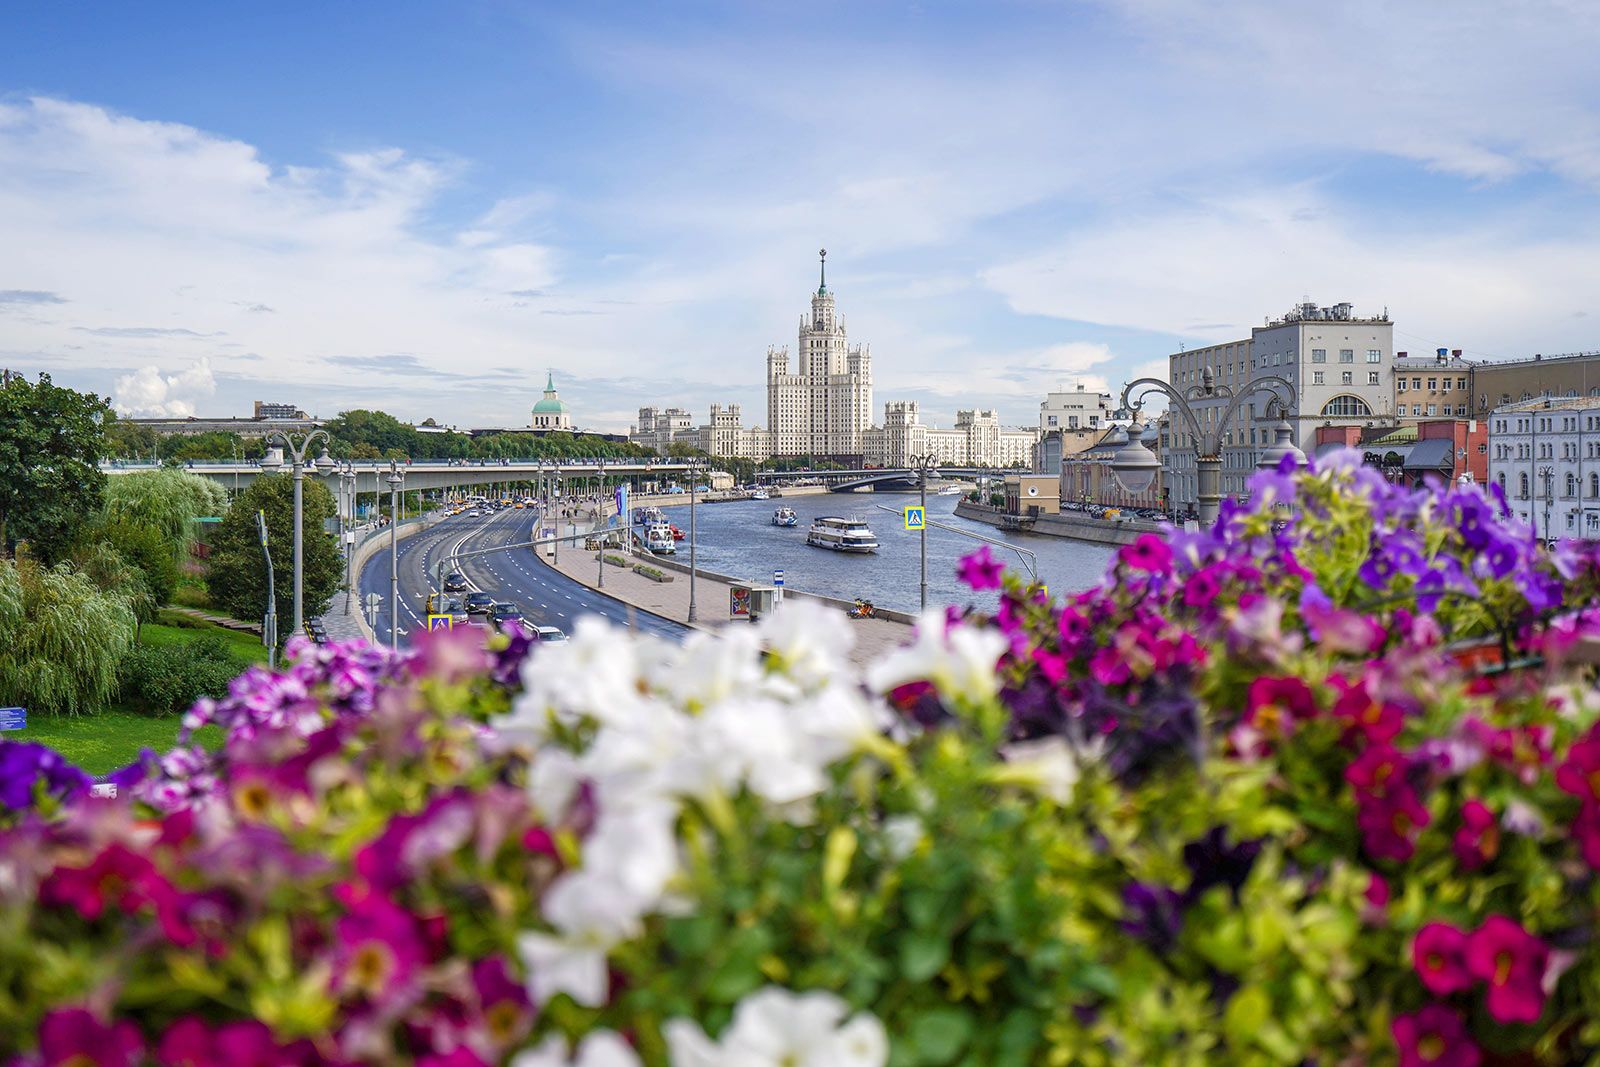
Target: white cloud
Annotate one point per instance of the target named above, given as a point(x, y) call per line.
point(147, 393)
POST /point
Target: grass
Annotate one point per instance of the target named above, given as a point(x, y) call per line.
point(113, 738)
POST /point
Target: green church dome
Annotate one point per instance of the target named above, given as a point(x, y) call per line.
point(551, 404)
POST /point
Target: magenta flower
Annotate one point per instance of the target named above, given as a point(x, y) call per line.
point(1478, 840)
point(1202, 587)
point(1434, 1037)
point(1512, 962)
point(502, 1001)
point(1439, 954)
point(1148, 553)
point(1274, 705)
point(189, 1042)
point(1586, 832)
point(380, 945)
point(980, 570)
point(1379, 721)
point(1389, 823)
point(1579, 773)
point(75, 1037)
point(460, 1056)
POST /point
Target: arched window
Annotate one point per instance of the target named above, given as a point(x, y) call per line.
point(1347, 407)
point(1501, 477)
point(1594, 485)
point(1572, 484)
point(1523, 481)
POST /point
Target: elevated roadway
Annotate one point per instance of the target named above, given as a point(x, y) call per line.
point(545, 596)
point(442, 474)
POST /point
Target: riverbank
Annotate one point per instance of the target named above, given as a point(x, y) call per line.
point(670, 600)
point(1068, 525)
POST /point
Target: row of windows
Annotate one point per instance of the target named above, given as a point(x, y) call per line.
point(1346, 355)
point(1441, 385)
point(1460, 411)
point(1345, 378)
point(1571, 484)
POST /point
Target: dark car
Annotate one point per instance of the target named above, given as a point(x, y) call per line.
point(503, 613)
point(479, 603)
point(455, 582)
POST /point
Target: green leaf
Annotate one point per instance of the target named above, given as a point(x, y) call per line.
point(939, 1035)
point(1246, 1014)
point(923, 955)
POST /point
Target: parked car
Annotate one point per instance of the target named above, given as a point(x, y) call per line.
point(548, 633)
point(455, 582)
point(480, 603)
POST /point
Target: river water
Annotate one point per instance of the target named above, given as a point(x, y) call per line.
point(737, 538)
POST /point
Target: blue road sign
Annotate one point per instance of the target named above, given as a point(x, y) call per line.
point(13, 718)
point(916, 518)
point(777, 577)
point(440, 622)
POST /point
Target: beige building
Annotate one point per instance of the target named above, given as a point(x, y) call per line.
point(824, 406)
point(1432, 387)
point(1086, 476)
point(722, 435)
point(1512, 381)
point(976, 440)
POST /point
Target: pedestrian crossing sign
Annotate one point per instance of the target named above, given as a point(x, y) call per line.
point(916, 518)
point(440, 622)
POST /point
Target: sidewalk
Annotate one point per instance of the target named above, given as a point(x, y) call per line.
point(342, 627)
point(874, 637)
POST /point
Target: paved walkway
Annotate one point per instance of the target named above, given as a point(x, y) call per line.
point(342, 627)
point(874, 637)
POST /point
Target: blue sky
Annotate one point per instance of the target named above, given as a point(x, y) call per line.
point(424, 206)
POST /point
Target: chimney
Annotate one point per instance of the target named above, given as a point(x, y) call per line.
point(1399, 355)
point(1455, 353)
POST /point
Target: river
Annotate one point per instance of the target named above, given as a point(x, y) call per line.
point(738, 538)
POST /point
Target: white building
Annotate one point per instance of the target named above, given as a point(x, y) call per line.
point(1338, 363)
point(659, 429)
point(722, 435)
point(976, 440)
point(1545, 455)
point(825, 406)
point(551, 413)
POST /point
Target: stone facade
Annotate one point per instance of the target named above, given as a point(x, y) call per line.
point(1439, 387)
point(1565, 377)
point(976, 440)
point(1545, 455)
point(1086, 476)
point(723, 435)
point(824, 406)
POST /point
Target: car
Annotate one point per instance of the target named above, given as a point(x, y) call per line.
point(479, 603)
point(503, 613)
point(548, 633)
point(455, 582)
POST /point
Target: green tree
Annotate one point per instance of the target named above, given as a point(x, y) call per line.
point(167, 501)
point(51, 443)
point(61, 639)
point(129, 440)
point(237, 576)
point(144, 548)
point(114, 573)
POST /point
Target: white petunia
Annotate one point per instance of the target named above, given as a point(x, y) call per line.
point(839, 720)
point(808, 646)
point(773, 1027)
point(635, 848)
point(711, 668)
point(1047, 765)
point(592, 914)
point(959, 661)
point(603, 1048)
point(757, 741)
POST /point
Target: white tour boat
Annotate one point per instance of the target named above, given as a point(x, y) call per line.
point(950, 490)
point(759, 494)
point(841, 535)
point(658, 539)
point(785, 517)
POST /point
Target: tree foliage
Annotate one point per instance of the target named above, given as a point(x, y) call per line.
point(237, 575)
point(167, 501)
point(163, 679)
point(116, 574)
point(51, 442)
point(61, 639)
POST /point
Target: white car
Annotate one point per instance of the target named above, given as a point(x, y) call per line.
point(549, 633)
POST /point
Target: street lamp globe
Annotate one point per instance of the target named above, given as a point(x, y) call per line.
point(1282, 445)
point(1134, 465)
point(325, 462)
point(272, 461)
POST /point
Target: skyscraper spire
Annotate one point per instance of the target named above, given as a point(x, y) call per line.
point(823, 287)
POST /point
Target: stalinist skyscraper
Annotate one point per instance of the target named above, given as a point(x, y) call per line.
point(822, 408)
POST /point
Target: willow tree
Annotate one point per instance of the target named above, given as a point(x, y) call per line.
point(167, 501)
point(62, 640)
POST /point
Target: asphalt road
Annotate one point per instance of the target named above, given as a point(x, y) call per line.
point(546, 597)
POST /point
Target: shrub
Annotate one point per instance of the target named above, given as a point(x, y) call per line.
point(165, 679)
point(61, 639)
point(616, 561)
point(653, 573)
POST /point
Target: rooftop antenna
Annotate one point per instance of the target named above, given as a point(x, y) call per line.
point(823, 287)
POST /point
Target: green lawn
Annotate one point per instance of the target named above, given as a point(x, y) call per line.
point(104, 742)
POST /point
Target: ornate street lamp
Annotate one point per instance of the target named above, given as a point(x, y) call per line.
point(1135, 466)
point(395, 480)
point(270, 463)
point(1282, 445)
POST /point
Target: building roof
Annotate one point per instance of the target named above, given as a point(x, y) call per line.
point(1433, 453)
point(551, 404)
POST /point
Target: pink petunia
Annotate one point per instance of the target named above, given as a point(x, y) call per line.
point(1148, 553)
point(981, 570)
point(1512, 962)
point(1434, 1037)
point(1478, 840)
point(1439, 954)
point(69, 1037)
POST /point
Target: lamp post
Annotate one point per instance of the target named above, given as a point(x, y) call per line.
point(269, 622)
point(924, 465)
point(1548, 473)
point(395, 480)
point(347, 526)
point(1135, 466)
point(270, 464)
point(694, 573)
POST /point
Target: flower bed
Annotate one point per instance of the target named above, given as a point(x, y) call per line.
point(1246, 802)
point(655, 574)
